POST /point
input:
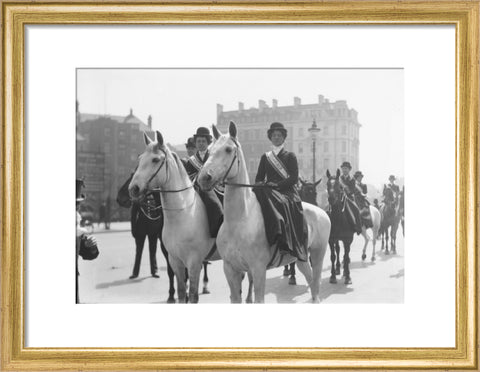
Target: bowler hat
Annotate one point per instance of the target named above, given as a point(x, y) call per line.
point(392, 177)
point(203, 132)
point(276, 126)
point(358, 174)
point(190, 143)
point(79, 185)
point(346, 164)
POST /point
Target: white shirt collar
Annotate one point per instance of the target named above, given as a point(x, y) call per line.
point(202, 154)
point(277, 149)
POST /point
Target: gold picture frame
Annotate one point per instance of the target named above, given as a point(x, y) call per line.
point(16, 15)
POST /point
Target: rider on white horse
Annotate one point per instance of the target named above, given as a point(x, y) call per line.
point(280, 202)
point(212, 199)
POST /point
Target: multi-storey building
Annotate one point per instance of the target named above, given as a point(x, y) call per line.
point(337, 141)
point(107, 151)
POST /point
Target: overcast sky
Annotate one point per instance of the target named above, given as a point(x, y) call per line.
point(180, 100)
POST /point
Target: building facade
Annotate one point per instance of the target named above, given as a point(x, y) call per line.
point(337, 141)
point(107, 151)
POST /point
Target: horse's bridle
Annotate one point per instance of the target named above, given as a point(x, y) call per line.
point(164, 162)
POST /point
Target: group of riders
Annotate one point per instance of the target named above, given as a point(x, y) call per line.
point(276, 188)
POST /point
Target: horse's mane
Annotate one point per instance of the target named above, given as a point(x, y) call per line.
point(179, 163)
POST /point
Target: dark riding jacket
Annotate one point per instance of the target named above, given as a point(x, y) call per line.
point(267, 173)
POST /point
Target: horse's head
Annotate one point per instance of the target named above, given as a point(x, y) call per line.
point(151, 170)
point(334, 188)
point(308, 191)
point(223, 162)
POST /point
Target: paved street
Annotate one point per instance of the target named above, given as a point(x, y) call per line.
point(105, 280)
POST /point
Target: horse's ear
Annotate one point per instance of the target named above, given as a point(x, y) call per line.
point(147, 139)
point(328, 174)
point(232, 129)
point(316, 183)
point(303, 182)
point(215, 131)
point(159, 138)
point(338, 172)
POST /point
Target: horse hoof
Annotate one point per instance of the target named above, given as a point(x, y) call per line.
point(170, 300)
point(348, 280)
point(373, 258)
point(315, 300)
point(333, 280)
point(292, 281)
point(249, 301)
point(337, 271)
point(205, 291)
point(286, 272)
point(364, 256)
point(394, 252)
point(387, 253)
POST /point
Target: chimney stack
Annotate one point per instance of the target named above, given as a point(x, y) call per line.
point(241, 106)
point(131, 112)
point(274, 103)
point(321, 98)
point(219, 109)
point(150, 121)
point(262, 104)
point(297, 101)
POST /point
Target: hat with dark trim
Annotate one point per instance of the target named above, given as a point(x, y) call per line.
point(203, 132)
point(346, 164)
point(392, 177)
point(276, 126)
point(190, 143)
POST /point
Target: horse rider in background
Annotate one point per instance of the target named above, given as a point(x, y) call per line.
point(191, 150)
point(392, 188)
point(213, 200)
point(349, 186)
point(362, 201)
point(276, 177)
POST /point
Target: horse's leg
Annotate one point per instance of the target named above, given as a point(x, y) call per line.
point(333, 278)
point(393, 234)
point(234, 279)
point(374, 240)
point(337, 251)
point(259, 278)
point(171, 275)
point(139, 243)
point(346, 261)
point(249, 299)
point(205, 278)
point(286, 271)
point(179, 270)
point(292, 280)
point(307, 272)
point(316, 260)
point(194, 270)
point(366, 237)
point(386, 241)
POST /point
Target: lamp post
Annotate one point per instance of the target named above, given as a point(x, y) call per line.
point(314, 130)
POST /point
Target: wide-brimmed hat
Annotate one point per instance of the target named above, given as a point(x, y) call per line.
point(276, 126)
point(358, 174)
point(190, 143)
point(79, 185)
point(346, 164)
point(203, 132)
point(392, 177)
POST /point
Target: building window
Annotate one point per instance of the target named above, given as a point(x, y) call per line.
point(301, 132)
point(325, 146)
point(344, 146)
point(344, 129)
point(326, 163)
point(325, 130)
point(300, 148)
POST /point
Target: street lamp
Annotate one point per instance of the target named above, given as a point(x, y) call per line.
point(314, 130)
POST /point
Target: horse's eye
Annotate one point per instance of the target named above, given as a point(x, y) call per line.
point(155, 160)
point(228, 150)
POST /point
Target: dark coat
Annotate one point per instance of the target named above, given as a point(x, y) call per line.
point(266, 173)
point(191, 169)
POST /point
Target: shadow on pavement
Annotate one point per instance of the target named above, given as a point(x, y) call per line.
point(327, 289)
point(400, 274)
point(117, 283)
point(284, 292)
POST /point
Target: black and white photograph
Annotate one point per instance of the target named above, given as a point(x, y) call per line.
point(251, 185)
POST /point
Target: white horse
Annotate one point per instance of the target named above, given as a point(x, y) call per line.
point(186, 234)
point(242, 241)
point(376, 219)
